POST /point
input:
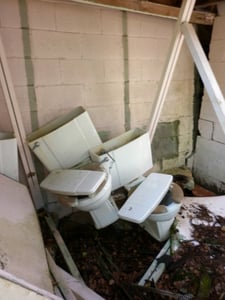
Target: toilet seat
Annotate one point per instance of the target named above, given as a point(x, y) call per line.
point(72, 182)
point(146, 198)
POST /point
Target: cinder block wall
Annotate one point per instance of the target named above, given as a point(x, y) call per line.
point(209, 160)
point(63, 55)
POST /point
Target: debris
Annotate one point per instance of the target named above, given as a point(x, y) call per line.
point(198, 264)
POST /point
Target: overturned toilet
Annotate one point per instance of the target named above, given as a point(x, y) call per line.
point(83, 171)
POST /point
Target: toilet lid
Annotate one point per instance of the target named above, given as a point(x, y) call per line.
point(73, 182)
point(145, 198)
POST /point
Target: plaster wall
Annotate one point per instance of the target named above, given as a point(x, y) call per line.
point(209, 158)
point(65, 55)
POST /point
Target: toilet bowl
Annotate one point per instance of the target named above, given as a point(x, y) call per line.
point(69, 146)
point(141, 205)
point(85, 190)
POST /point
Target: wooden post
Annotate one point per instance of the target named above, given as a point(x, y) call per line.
point(206, 73)
point(177, 41)
point(16, 120)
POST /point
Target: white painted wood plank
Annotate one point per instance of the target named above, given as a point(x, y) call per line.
point(206, 73)
point(64, 250)
point(176, 43)
point(70, 284)
point(22, 250)
point(15, 288)
point(17, 123)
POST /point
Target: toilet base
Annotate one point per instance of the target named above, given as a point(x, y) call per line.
point(105, 214)
point(158, 230)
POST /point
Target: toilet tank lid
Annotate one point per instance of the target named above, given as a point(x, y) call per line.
point(145, 198)
point(73, 182)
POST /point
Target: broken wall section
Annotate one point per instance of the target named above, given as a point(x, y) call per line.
point(209, 159)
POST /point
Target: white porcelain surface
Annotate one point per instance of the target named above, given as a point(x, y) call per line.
point(67, 145)
point(145, 198)
point(73, 182)
point(127, 156)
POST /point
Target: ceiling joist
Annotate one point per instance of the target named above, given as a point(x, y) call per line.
point(147, 7)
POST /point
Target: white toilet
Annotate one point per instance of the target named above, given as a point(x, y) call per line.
point(63, 148)
point(69, 147)
point(141, 206)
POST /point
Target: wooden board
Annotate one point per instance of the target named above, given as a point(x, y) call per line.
point(22, 251)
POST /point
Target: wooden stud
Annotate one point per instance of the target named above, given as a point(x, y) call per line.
point(170, 64)
point(19, 131)
point(205, 71)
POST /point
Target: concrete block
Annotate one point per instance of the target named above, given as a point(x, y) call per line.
point(114, 70)
point(218, 134)
point(209, 161)
point(217, 51)
point(184, 69)
point(205, 128)
point(111, 22)
point(22, 95)
point(207, 111)
point(60, 97)
point(108, 118)
point(180, 90)
point(102, 47)
point(49, 44)
point(82, 71)
point(177, 107)
point(9, 14)
point(162, 46)
point(169, 111)
point(185, 143)
point(134, 24)
point(165, 141)
point(140, 112)
point(156, 27)
point(186, 125)
point(18, 71)
point(12, 42)
point(104, 94)
point(46, 72)
point(142, 91)
point(5, 123)
point(151, 69)
point(78, 18)
point(218, 28)
point(26, 106)
point(218, 70)
point(26, 117)
point(143, 48)
point(174, 162)
point(135, 70)
point(221, 9)
point(41, 15)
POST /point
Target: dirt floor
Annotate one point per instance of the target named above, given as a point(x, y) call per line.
point(114, 259)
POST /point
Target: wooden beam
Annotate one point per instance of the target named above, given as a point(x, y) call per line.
point(19, 131)
point(174, 51)
point(64, 250)
point(206, 73)
point(69, 285)
point(146, 7)
point(208, 3)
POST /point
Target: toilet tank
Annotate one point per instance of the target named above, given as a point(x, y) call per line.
point(64, 142)
point(127, 156)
